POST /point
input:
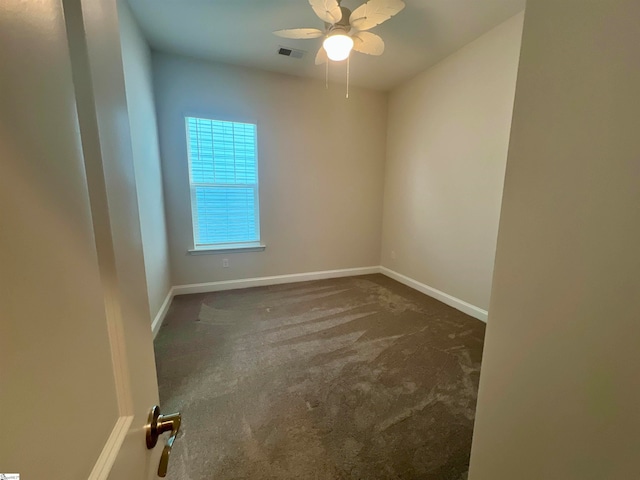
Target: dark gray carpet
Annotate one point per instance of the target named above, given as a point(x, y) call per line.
point(351, 378)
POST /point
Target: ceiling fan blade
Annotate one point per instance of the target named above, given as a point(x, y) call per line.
point(374, 12)
point(369, 43)
point(321, 56)
point(328, 10)
point(299, 33)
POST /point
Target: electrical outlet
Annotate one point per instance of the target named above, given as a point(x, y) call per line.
point(393, 255)
point(225, 263)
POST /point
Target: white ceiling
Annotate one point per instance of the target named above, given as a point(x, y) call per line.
point(240, 32)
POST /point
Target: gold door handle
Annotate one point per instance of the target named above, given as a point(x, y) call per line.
point(156, 426)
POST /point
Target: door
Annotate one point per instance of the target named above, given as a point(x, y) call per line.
point(77, 371)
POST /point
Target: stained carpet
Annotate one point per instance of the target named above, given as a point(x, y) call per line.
point(351, 378)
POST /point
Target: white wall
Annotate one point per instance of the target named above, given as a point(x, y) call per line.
point(447, 148)
point(559, 392)
point(321, 166)
point(136, 58)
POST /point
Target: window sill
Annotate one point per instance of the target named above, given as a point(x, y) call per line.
point(237, 248)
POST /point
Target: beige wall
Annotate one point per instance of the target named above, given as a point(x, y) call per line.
point(559, 393)
point(146, 157)
point(447, 148)
point(321, 166)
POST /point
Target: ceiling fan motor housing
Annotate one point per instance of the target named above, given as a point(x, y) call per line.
point(343, 24)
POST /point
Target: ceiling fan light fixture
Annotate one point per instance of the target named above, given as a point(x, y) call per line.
point(338, 46)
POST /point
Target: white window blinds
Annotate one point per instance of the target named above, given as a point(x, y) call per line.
point(223, 175)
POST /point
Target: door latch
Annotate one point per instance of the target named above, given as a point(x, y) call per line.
point(156, 426)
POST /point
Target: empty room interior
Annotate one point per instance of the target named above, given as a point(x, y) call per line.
point(305, 225)
point(296, 339)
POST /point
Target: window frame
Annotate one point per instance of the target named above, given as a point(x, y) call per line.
point(226, 247)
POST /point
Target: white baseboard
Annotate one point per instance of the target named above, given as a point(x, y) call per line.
point(164, 308)
point(207, 287)
point(251, 282)
point(450, 300)
point(274, 280)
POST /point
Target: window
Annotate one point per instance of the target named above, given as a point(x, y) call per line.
point(223, 176)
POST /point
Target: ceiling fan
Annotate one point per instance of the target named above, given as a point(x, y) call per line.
point(346, 30)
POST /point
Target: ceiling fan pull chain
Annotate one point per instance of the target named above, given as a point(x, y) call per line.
point(326, 77)
point(348, 64)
